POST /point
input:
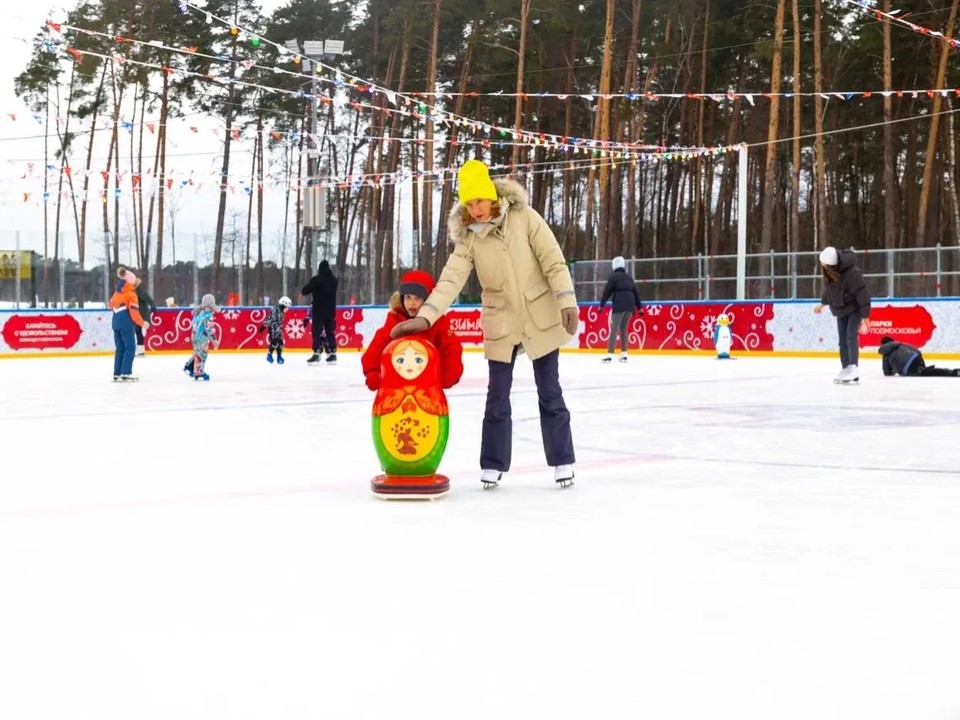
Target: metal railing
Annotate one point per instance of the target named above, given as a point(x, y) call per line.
point(920, 272)
point(915, 272)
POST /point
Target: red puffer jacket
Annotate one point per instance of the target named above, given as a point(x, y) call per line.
point(440, 335)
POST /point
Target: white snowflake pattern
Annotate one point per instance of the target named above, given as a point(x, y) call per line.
point(295, 329)
point(652, 310)
point(707, 325)
point(231, 314)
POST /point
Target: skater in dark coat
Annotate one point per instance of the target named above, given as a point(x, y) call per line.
point(147, 308)
point(901, 358)
point(323, 312)
point(623, 290)
point(845, 293)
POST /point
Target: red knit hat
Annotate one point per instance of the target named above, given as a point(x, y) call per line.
point(416, 282)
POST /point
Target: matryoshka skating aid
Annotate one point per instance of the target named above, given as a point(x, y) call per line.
point(411, 422)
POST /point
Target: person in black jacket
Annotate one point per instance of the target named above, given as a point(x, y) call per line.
point(900, 358)
point(147, 308)
point(323, 312)
point(626, 299)
point(845, 292)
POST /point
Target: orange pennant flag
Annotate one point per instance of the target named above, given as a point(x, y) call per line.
point(26, 196)
point(150, 127)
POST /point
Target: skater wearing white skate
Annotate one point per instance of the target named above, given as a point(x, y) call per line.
point(845, 293)
point(126, 315)
point(625, 300)
point(528, 303)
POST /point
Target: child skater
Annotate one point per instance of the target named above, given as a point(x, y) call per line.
point(275, 325)
point(415, 286)
point(126, 316)
point(203, 334)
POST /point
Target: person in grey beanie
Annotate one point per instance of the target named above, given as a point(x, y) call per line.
point(625, 300)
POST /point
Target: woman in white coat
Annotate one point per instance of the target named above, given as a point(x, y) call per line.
point(527, 301)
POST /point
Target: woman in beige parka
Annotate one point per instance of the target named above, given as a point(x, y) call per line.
point(527, 302)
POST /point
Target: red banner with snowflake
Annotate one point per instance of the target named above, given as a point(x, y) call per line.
point(238, 328)
point(688, 326)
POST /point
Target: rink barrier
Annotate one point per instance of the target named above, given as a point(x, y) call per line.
point(761, 328)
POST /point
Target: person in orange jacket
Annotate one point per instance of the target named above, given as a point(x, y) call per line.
point(415, 286)
point(126, 316)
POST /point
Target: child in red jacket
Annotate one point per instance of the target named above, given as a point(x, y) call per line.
point(415, 286)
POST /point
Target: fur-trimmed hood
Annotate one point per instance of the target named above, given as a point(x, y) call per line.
point(508, 190)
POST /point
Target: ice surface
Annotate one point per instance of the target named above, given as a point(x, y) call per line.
point(745, 539)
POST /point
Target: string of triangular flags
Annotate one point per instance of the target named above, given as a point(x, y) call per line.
point(894, 17)
point(147, 183)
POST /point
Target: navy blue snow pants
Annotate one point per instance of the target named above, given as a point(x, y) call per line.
point(497, 440)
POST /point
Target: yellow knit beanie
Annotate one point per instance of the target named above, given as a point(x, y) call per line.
point(475, 183)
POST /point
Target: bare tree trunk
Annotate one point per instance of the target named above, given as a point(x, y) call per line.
point(797, 128)
point(773, 133)
point(889, 152)
point(225, 164)
point(602, 125)
point(89, 158)
point(821, 181)
point(522, 53)
point(447, 198)
point(568, 241)
point(426, 219)
point(934, 128)
point(162, 168)
point(701, 109)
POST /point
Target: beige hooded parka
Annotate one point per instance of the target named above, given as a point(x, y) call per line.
point(522, 271)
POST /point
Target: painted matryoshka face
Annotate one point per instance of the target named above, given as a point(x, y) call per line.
point(409, 360)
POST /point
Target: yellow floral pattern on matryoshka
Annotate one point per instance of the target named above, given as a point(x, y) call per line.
point(409, 433)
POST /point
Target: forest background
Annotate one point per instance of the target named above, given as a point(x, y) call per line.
point(622, 118)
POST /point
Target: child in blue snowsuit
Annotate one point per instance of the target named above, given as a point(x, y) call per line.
point(274, 325)
point(203, 334)
point(126, 317)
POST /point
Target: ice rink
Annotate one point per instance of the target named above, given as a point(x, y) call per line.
point(745, 540)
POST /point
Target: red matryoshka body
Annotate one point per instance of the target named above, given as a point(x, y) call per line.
point(411, 421)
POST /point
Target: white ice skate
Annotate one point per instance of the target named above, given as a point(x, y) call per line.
point(850, 375)
point(490, 478)
point(563, 475)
